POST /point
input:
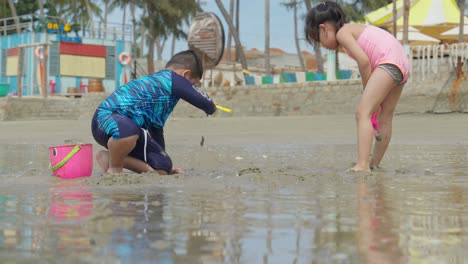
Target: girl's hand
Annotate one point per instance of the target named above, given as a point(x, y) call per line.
point(177, 171)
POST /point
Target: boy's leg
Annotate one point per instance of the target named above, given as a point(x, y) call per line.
point(118, 150)
point(378, 86)
point(385, 119)
point(119, 135)
point(149, 156)
point(130, 163)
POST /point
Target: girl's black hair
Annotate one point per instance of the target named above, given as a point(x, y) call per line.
point(327, 11)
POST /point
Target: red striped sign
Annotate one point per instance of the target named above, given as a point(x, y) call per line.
point(83, 49)
point(12, 52)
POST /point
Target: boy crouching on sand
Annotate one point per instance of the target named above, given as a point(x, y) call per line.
point(129, 123)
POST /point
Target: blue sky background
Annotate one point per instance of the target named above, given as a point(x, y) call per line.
point(252, 25)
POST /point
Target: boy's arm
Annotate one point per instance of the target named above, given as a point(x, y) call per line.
point(183, 89)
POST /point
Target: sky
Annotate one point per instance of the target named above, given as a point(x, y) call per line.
point(252, 25)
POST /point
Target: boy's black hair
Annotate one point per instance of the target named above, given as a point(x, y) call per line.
point(189, 60)
point(327, 11)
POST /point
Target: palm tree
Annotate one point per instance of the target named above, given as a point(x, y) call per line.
point(165, 17)
point(229, 42)
point(317, 50)
point(15, 15)
point(234, 32)
point(90, 15)
point(109, 6)
point(81, 12)
point(123, 4)
point(133, 6)
point(293, 5)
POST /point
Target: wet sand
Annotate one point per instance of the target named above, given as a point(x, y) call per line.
point(259, 190)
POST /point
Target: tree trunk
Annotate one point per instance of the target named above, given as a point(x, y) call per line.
point(160, 43)
point(142, 36)
point(15, 16)
point(150, 58)
point(296, 38)
point(124, 18)
point(267, 38)
point(462, 21)
point(317, 50)
point(234, 33)
point(229, 42)
point(106, 13)
point(394, 19)
point(41, 14)
point(308, 5)
point(173, 45)
point(151, 42)
point(406, 7)
point(134, 39)
point(238, 49)
point(90, 16)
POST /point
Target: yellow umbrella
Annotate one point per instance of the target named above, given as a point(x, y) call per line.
point(384, 14)
point(431, 17)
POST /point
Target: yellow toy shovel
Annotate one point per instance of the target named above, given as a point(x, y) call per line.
point(227, 110)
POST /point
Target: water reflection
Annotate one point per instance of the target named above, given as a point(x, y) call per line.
point(377, 234)
point(283, 215)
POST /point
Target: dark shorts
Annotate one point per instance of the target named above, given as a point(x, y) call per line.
point(146, 148)
point(394, 71)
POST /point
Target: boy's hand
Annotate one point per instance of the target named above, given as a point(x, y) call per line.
point(177, 171)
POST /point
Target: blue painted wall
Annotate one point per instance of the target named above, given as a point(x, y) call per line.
point(31, 64)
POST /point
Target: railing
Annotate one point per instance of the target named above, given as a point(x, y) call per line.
point(137, 70)
point(30, 23)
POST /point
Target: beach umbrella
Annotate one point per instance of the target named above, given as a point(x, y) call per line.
point(384, 14)
point(453, 33)
point(416, 38)
point(431, 17)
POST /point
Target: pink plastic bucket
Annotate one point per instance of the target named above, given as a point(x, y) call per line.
point(71, 161)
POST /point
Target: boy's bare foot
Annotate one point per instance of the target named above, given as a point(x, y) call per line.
point(177, 171)
point(102, 158)
point(114, 170)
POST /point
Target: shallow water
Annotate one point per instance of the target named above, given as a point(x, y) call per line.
point(248, 203)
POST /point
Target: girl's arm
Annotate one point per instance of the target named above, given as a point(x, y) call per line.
point(347, 40)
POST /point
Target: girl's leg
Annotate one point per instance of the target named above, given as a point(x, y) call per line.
point(388, 107)
point(378, 87)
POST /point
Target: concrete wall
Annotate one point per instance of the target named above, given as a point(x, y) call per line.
point(426, 91)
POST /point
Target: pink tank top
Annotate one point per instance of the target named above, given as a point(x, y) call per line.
point(382, 47)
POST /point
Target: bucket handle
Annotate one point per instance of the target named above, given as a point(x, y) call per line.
point(67, 158)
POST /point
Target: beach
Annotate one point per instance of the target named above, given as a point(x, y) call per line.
point(258, 190)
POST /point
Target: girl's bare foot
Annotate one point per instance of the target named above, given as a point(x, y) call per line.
point(357, 168)
point(102, 158)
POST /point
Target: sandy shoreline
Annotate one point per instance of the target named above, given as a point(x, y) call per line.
point(408, 128)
